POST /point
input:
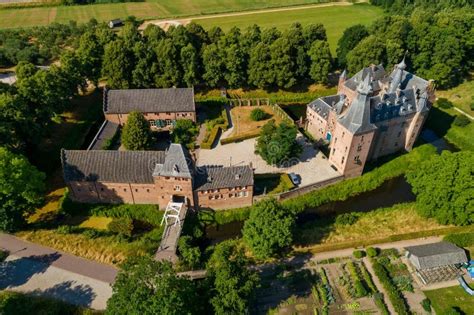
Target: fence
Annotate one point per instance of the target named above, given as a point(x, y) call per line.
point(262, 102)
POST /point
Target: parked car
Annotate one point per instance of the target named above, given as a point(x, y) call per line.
point(295, 179)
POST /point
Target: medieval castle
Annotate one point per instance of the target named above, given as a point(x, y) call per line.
point(373, 114)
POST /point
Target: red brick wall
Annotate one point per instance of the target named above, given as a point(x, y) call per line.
point(121, 119)
point(167, 187)
point(225, 198)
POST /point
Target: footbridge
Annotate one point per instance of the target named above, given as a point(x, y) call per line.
point(173, 219)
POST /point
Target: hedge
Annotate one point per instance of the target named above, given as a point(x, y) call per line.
point(398, 302)
point(213, 135)
point(242, 137)
point(460, 239)
point(20, 303)
point(122, 226)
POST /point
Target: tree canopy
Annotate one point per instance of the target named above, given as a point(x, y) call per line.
point(145, 286)
point(21, 185)
point(444, 188)
point(277, 144)
point(184, 132)
point(233, 284)
point(136, 134)
point(268, 229)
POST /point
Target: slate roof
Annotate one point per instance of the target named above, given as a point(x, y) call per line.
point(214, 177)
point(391, 105)
point(323, 105)
point(357, 118)
point(149, 100)
point(377, 73)
point(106, 132)
point(436, 254)
point(177, 163)
point(110, 166)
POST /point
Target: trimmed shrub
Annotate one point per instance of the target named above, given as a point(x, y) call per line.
point(242, 137)
point(371, 252)
point(426, 304)
point(444, 103)
point(461, 121)
point(359, 254)
point(122, 226)
point(213, 135)
point(258, 114)
point(378, 298)
point(460, 239)
point(360, 290)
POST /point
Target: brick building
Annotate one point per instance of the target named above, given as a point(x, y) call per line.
point(154, 177)
point(161, 107)
point(373, 114)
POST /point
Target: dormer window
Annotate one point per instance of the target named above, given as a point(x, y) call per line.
point(175, 168)
point(237, 176)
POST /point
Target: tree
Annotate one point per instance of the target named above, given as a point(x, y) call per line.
point(21, 185)
point(277, 144)
point(268, 229)
point(169, 71)
point(90, 52)
point(259, 69)
point(232, 283)
point(17, 127)
point(213, 65)
point(282, 64)
point(258, 114)
point(144, 286)
point(191, 65)
point(320, 56)
point(184, 132)
point(349, 40)
point(136, 134)
point(445, 194)
point(118, 65)
point(143, 76)
point(190, 255)
point(370, 50)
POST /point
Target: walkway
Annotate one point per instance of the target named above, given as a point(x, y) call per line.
point(41, 270)
point(172, 232)
point(379, 285)
point(463, 112)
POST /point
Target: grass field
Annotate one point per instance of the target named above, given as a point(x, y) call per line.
point(336, 19)
point(462, 95)
point(444, 299)
point(243, 123)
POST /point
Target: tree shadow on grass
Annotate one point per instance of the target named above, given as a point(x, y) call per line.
point(69, 291)
point(17, 272)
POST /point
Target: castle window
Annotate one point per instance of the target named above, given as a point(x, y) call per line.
point(333, 150)
point(102, 189)
point(361, 138)
point(136, 190)
point(168, 122)
point(396, 144)
point(178, 188)
point(356, 158)
point(342, 160)
point(399, 134)
point(78, 189)
point(359, 148)
point(343, 133)
point(345, 150)
point(148, 190)
point(246, 194)
point(152, 123)
point(125, 189)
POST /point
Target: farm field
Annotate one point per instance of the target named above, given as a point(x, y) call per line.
point(335, 17)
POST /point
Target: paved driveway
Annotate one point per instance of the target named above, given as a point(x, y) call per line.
point(40, 270)
point(311, 165)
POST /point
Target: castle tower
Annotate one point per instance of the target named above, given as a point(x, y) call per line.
point(354, 133)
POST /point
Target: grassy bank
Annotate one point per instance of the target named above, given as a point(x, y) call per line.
point(381, 223)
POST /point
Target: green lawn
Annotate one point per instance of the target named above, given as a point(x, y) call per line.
point(336, 19)
point(462, 95)
point(443, 299)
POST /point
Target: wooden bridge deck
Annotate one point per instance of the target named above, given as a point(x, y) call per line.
point(169, 240)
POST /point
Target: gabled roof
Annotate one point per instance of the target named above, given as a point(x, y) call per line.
point(214, 177)
point(437, 254)
point(110, 166)
point(177, 163)
point(149, 100)
point(107, 131)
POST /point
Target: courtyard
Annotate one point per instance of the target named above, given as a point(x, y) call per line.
point(312, 165)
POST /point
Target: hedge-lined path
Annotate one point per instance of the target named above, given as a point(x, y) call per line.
point(379, 285)
point(40, 270)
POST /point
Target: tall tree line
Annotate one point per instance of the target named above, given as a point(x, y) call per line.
point(186, 56)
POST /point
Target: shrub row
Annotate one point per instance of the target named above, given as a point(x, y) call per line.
point(20, 303)
point(461, 239)
point(359, 289)
point(211, 138)
point(378, 299)
point(242, 137)
point(395, 296)
point(367, 278)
